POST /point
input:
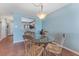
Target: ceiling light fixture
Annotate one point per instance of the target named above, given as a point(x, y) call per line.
point(41, 14)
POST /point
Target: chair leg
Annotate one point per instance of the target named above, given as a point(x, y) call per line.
point(26, 50)
point(59, 54)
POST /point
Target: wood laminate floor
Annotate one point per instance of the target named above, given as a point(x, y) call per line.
point(7, 48)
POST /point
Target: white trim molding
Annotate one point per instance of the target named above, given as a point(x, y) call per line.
point(73, 51)
point(18, 41)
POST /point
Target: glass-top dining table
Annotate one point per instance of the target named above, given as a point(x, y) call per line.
point(42, 41)
point(45, 40)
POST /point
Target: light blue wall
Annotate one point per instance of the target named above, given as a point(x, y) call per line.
point(17, 28)
point(65, 20)
point(38, 27)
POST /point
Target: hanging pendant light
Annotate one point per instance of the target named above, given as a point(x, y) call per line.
point(41, 14)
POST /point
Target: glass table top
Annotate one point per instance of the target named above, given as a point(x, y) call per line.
point(43, 40)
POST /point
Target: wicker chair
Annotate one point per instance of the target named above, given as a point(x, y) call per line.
point(56, 46)
point(35, 50)
point(31, 49)
point(27, 42)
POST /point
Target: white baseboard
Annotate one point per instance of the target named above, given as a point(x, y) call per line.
point(18, 41)
point(75, 52)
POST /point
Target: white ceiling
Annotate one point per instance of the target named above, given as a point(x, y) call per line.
point(28, 9)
